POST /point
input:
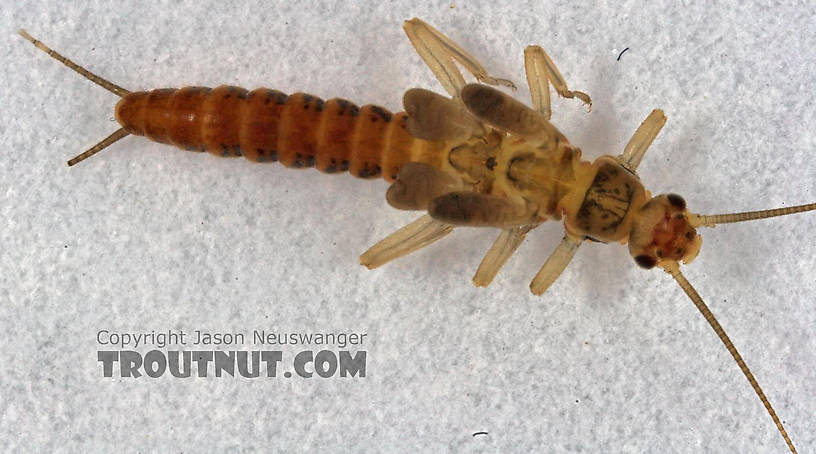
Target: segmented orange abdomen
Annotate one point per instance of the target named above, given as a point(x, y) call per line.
point(263, 125)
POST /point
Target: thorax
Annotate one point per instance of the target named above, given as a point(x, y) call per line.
point(596, 199)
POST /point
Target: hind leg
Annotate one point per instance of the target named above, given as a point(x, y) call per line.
point(441, 55)
point(404, 241)
point(416, 186)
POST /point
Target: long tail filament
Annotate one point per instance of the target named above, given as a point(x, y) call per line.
point(107, 85)
point(98, 147)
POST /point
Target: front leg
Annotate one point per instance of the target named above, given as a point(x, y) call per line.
point(441, 55)
point(641, 139)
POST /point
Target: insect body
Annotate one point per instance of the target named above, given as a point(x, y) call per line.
point(263, 125)
point(478, 158)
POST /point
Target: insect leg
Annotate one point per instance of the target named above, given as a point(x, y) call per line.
point(406, 240)
point(555, 265)
point(642, 139)
point(505, 245)
point(440, 54)
point(540, 69)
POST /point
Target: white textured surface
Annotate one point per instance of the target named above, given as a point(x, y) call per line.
point(611, 359)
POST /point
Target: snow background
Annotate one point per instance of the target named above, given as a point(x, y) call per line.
point(611, 359)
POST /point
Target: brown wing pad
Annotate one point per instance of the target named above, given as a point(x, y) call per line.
point(434, 117)
point(417, 185)
point(505, 113)
point(474, 209)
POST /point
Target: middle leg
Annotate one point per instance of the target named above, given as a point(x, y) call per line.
point(505, 245)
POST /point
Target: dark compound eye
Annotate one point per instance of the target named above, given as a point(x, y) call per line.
point(676, 201)
point(646, 261)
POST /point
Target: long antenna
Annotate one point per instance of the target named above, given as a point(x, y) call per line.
point(699, 220)
point(107, 85)
point(673, 268)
